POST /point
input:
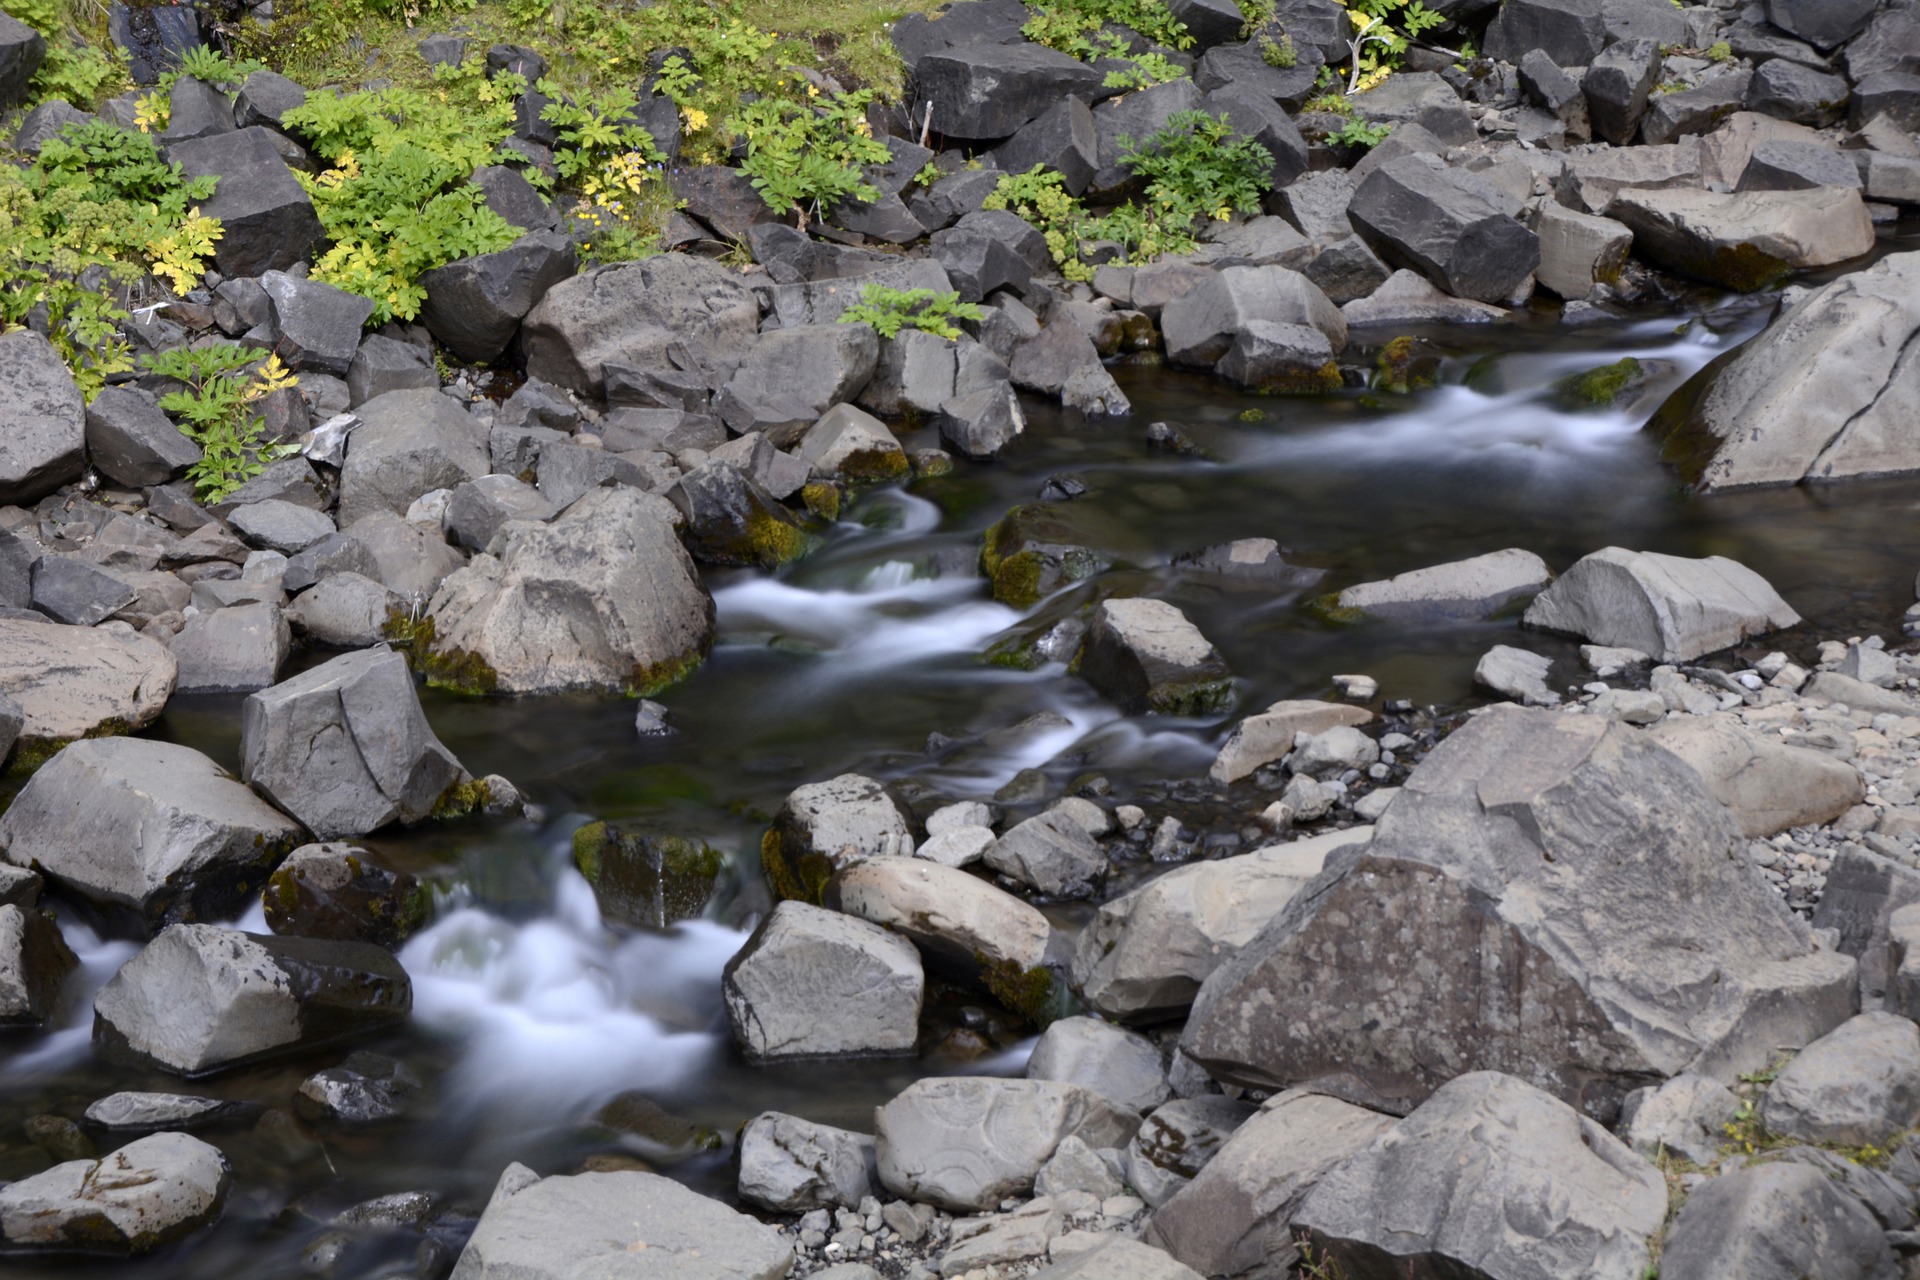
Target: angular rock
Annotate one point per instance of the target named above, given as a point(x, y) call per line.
point(1577, 250)
point(1467, 1175)
point(68, 589)
point(732, 520)
point(132, 442)
point(1690, 111)
point(151, 1111)
point(823, 826)
point(345, 894)
point(1508, 836)
point(479, 507)
point(1616, 88)
point(1517, 674)
point(793, 375)
point(670, 311)
point(1746, 241)
point(1049, 852)
point(387, 364)
point(149, 1193)
point(267, 222)
point(1421, 98)
point(1062, 140)
point(410, 442)
point(34, 961)
point(345, 610)
point(1593, 179)
point(146, 833)
point(366, 1089)
point(22, 50)
point(76, 682)
point(1768, 786)
point(1788, 91)
point(345, 748)
point(962, 923)
point(604, 597)
point(1145, 656)
point(812, 983)
point(315, 326)
point(1199, 326)
point(967, 1143)
point(853, 445)
point(1233, 1217)
point(264, 98)
point(986, 92)
point(1571, 32)
point(280, 526)
point(234, 650)
point(1121, 1066)
point(1475, 588)
point(1822, 393)
point(1856, 1086)
point(1176, 1142)
point(1449, 225)
point(1688, 1115)
point(475, 305)
point(43, 433)
point(1775, 1222)
point(1863, 894)
point(790, 1165)
point(1673, 608)
point(1138, 116)
point(200, 998)
point(979, 424)
point(1145, 955)
point(1263, 739)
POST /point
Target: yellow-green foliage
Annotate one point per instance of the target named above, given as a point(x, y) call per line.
point(81, 73)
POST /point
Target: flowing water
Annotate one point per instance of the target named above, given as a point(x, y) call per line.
point(530, 1014)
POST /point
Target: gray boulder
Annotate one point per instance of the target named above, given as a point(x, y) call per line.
point(264, 97)
point(1146, 953)
point(1234, 1216)
point(790, 1165)
point(1675, 115)
point(1856, 1086)
point(853, 445)
point(146, 1112)
point(967, 1143)
point(1822, 23)
point(1062, 140)
point(1517, 674)
point(233, 650)
point(812, 983)
point(200, 998)
point(638, 1226)
point(279, 525)
point(76, 682)
point(1776, 1222)
point(1863, 894)
point(1502, 843)
point(1464, 589)
point(1281, 358)
point(1115, 1255)
point(664, 312)
point(987, 92)
point(132, 442)
point(146, 833)
point(1783, 164)
point(1448, 225)
point(410, 560)
point(1571, 32)
point(149, 1193)
point(34, 962)
point(43, 420)
point(1616, 88)
point(267, 221)
point(979, 424)
point(604, 597)
point(1578, 251)
point(1820, 394)
point(1145, 656)
point(70, 590)
point(1264, 738)
point(791, 376)
point(1199, 326)
point(1121, 1066)
point(386, 364)
point(1687, 1115)
point(345, 748)
point(1417, 98)
point(479, 507)
point(409, 442)
point(315, 326)
point(1768, 786)
point(475, 305)
point(1747, 240)
point(960, 921)
point(22, 49)
point(1672, 608)
point(1176, 1142)
point(1468, 1175)
point(824, 826)
point(366, 1089)
point(344, 893)
point(1049, 852)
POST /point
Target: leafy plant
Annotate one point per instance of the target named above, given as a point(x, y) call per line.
point(1377, 45)
point(91, 217)
point(82, 74)
point(222, 383)
point(804, 158)
point(1148, 69)
point(1359, 133)
point(1068, 25)
point(1719, 51)
point(891, 310)
point(1332, 104)
point(1040, 197)
point(208, 64)
point(396, 202)
point(1196, 166)
point(1278, 53)
point(594, 132)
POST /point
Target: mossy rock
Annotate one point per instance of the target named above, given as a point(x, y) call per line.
point(876, 466)
point(821, 498)
point(30, 753)
point(1685, 445)
point(1034, 994)
point(342, 893)
point(1328, 609)
point(1601, 388)
point(1191, 698)
point(1324, 380)
point(662, 1134)
point(644, 878)
point(1402, 367)
point(795, 877)
point(1034, 551)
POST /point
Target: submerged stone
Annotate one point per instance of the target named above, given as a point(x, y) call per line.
point(643, 877)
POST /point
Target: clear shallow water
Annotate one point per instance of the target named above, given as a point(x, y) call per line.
point(531, 1015)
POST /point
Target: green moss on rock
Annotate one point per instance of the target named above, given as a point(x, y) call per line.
point(1601, 388)
point(1402, 368)
point(1030, 993)
point(644, 877)
point(1328, 609)
point(801, 878)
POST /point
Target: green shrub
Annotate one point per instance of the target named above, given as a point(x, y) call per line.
point(82, 74)
point(891, 310)
point(803, 158)
point(1068, 25)
point(215, 410)
point(1196, 166)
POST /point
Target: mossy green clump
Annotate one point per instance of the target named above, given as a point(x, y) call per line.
point(642, 877)
point(1328, 609)
point(1402, 368)
point(1601, 388)
point(463, 798)
point(1026, 556)
point(876, 466)
point(1744, 267)
point(799, 879)
point(1030, 993)
point(30, 753)
point(822, 499)
point(655, 677)
point(932, 463)
point(1191, 698)
point(1304, 382)
point(457, 670)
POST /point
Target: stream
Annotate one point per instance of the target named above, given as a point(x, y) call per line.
point(531, 1016)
